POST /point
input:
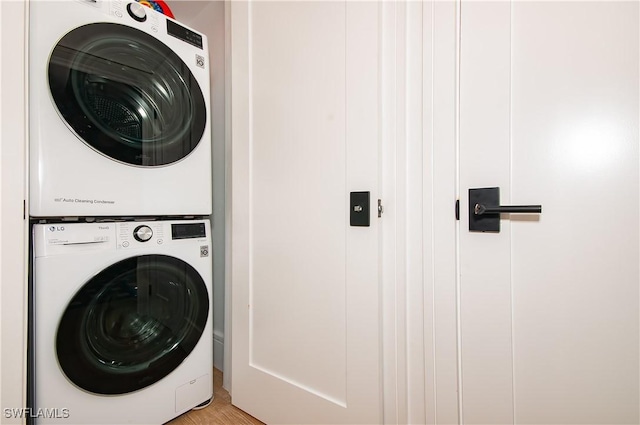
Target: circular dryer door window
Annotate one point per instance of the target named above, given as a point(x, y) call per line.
point(132, 324)
point(126, 94)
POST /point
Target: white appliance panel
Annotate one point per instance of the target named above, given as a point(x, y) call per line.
point(66, 257)
point(69, 176)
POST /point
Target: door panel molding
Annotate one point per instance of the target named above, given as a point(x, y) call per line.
point(485, 305)
point(419, 166)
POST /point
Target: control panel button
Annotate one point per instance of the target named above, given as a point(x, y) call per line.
point(137, 12)
point(125, 244)
point(142, 233)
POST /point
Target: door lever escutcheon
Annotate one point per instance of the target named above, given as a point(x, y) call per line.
point(485, 209)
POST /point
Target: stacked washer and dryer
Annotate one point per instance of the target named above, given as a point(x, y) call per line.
point(119, 199)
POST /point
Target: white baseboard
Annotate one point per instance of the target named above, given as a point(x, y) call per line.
point(218, 350)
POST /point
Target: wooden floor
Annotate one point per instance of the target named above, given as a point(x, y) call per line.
point(219, 412)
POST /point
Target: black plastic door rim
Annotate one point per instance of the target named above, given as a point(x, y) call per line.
point(132, 324)
point(126, 95)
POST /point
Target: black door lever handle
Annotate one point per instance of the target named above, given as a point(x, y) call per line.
point(480, 209)
point(485, 209)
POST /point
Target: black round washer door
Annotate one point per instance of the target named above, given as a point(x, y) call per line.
point(132, 324)
point(126, 94)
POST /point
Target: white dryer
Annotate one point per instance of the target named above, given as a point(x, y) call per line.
point(122, 321)
point(119, 111)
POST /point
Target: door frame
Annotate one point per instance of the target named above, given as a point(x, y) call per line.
point(421, 183)
point(14, 229)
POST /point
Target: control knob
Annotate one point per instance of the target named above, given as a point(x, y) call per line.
point(137, 11)
point(142, 233)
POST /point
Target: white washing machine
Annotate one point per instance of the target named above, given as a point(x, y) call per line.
point(122, 326)
point(119, 111)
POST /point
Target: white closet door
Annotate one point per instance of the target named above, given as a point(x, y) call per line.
point(549, 306)
point(305, 284)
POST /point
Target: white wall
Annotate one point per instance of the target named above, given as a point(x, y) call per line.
point(208, 18)
point(12, 223)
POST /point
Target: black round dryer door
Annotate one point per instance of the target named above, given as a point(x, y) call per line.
point(126, 94)
point(132, 324)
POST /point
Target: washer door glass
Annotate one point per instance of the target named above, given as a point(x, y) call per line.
point(126, 94)
point(132, 324)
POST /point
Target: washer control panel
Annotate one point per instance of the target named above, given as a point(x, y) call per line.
point(143, 233)
point(153, 236)
point(131, 10)
point(137, 12)
point(194, 230)
point(132, 234)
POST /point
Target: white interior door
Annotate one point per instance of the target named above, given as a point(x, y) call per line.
point(305, 284)
point(549, 306)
